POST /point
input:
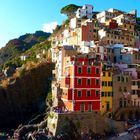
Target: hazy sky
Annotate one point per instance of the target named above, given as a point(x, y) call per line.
point(18, 17)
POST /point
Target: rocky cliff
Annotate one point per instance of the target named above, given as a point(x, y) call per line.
point(24, 94)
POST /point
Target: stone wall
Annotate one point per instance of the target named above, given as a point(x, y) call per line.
point(84, 121)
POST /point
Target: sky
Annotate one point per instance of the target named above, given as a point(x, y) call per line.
point(18, 17)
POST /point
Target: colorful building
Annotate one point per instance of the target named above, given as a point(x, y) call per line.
point(87, 31)
point(107, 89)
point(121, 88)
point(81, 83)
point(85, 11)
point(135, 89)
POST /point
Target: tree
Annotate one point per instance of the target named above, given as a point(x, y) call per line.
point(69, 9)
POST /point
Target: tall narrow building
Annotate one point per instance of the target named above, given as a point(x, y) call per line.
point(81, 83)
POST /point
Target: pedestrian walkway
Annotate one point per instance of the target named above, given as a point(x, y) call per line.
point(122, 136)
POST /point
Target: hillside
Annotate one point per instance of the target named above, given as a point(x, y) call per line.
point(17, 46)
point(24, 94)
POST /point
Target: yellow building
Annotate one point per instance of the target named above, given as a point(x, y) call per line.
point(106, 90)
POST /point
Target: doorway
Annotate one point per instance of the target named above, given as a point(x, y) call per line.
point(82, 107)
point(90, 107)
point(107, 106)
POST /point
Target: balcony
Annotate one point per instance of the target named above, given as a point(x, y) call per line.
point(134, 87)
point(134, 97)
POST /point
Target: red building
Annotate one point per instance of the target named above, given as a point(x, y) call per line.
point(87, 31)
point(81, 83)
point(113, 24)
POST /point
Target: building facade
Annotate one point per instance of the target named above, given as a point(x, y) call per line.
point(81, 83)
point(85, 11)
point(106, 89)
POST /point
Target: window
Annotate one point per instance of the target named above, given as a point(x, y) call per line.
point(112, 94)
point(103, 73)
point(88, 93)
point(135, 83)
point(126, 79)
point(79, 70)
point(109, 94)
point(122, 79)
point(109, 74)
point(95, 30)
point(105, 94)
point(102, 94)
point(90, 30)
point(120, 103)
point(79, 81)
point(88, 82)
point(119, 78)
point(97, 81)
point(97, 93)
point(109, 84)
point(103, 83)
point(88, 70)
point(97, 70)
point(133, 92)
point(79, 93)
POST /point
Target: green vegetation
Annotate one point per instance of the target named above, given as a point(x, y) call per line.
point(138, 18)
point(22, 72)
point(78, 124)
point(49, 96)
point(10, 54)
point(31, 55)
point(69, 9)
point(15, 62)
point(51, 115)
point(67, 22)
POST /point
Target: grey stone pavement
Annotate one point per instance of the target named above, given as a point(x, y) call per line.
point(124, 136)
